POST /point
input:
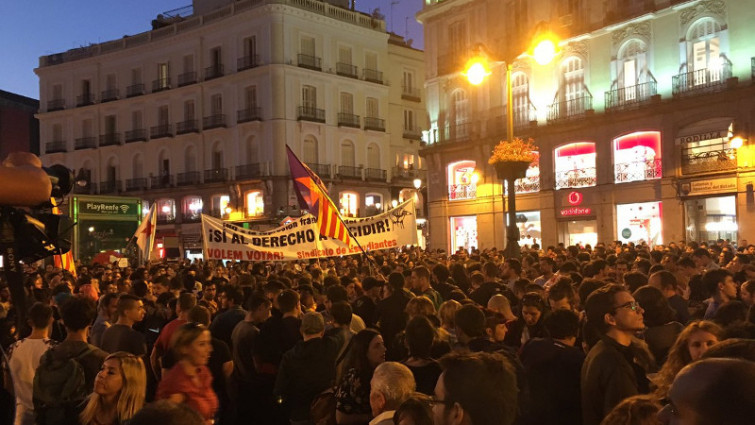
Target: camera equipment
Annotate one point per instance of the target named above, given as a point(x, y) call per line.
point(31, 235)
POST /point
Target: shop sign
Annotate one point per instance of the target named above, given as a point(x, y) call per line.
point(575, 198)
point(626, 233)
point(576, 211)
point(693, 138)
point(702, 187)
point(108, 208)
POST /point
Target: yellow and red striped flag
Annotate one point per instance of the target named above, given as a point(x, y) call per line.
point(64, 261)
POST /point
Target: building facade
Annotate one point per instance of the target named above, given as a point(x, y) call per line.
point(196, 113)
point(19, 129)
point(637, 121)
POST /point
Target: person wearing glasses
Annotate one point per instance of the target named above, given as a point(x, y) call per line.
point(119, 391)
point(617, 365)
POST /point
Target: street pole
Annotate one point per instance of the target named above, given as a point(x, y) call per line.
point(512, 231)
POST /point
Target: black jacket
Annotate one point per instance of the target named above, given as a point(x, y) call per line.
point(390, 315)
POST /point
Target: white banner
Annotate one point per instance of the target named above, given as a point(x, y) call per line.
point(300, 239)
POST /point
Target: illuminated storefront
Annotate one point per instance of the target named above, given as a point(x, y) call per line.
point(639, 222)
point(530, 230)
point(710, 219)
point(462, 181)
point(575, 165)
point(576, 218)
point(637, 157)
point(464, 233)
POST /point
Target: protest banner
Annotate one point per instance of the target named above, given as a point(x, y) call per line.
point(300, 239)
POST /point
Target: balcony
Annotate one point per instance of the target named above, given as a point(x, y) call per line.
point(375, 174)
point(638, 171)
point(348, 120)
point(109, 95)
point(56, 105)
point(188, 126)
point(372, 75)
point(216, 175)
point(629, 96)
point(309, 113)
point(458, 192)
point(136, 135)
point(247, 62)
point(407, 173)
point(321, 170)
point(309, 62)
point(138, 184)
point(457, 132)
point(570, 109)
point(253, 113)
point(248, 171)
point(349, 172)
point(160, 84)
point(346, 70)
point(213, 121)
point(161, 182)
point(708, 161)
point(135, 90)
point(56, 146)
point(187, 78)
point(187, 178)
point(410, 93)
point(159, 131)
point(111, 186)
point(375, 124)
point(413, 134)
point(214, 71)
point(110, 139)
point(584, 177)
point(85, 143)
point(85, 99)
point(702, 81)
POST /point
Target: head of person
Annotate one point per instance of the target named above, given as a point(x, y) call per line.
point(720, 283)
point(209, 291)
point(107, 306)
point(495, 327)
point(372, 287)
point(258, 307)
point(635, 410)
point(657, 311)
point(665, 281)
point(512, 268)
point(366, 352)
point(470, 323)
point(561, 295)
point(420, 335)
point(312, 325)
point(130, 307)
point(613, 307)
point(747, 293)
point(416, 410)
point(562, 325)
point(701, 257)
point(164, 412)
point(199, 314)
point(396, 282)
point(334, 294)
point(392, 383)
point(192, 343)
point(77, 313)
point(186, 302)
point(420, 278)
point(40, 316)
point(533, 308)
point(122, 383)
point(288, 302)
point(233, 297)
point(712, 391)
point(490, 271)
point(634, 280)
point(499, 303)
point(547, 265)
point(342, 313)
point(420, 306)
point(447, 313)
point(478, 389)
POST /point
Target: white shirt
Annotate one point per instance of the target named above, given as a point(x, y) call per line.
point(387, 415)
point(24, 358)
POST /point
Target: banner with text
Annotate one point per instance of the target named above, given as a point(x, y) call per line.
point(300, 238)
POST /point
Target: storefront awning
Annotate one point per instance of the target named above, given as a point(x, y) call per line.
point(713, 128)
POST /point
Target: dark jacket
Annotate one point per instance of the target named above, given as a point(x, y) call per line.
point(222, 326)
point(610, 374)
point(305, 371)
point(277, 335)
point(390, 315)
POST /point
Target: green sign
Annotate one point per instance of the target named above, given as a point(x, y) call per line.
point(626, 233)
point(108, 208)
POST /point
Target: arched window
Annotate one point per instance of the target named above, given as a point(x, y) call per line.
point(192, 208)
point(255, 204)
point(575, 165)
point(462, 180)
point(637, 156)
point(572, 87)
point(166, 210)
point(347, 153)
point(631, 64)
point(374, 203)
point(163, 169)
point(221, 206)
point(111, 183)
point(520, 92)
point(460, 113)
point(349, 202)
point(309, 151)
point(704, 55)
point(373, 156)
point(190, 159)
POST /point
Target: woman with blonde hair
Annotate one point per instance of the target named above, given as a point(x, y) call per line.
point(692, 342)
point(119, 391)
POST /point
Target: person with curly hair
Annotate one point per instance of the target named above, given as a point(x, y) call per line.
point(636, 410)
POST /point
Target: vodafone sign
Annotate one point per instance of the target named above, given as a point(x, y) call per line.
point(571, 205)
point(575, 198)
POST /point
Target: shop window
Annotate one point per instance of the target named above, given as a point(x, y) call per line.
point(640, 222)
point(578, 233)
point(255, 204)
point(221, 206)
point(530, 183)
point(637, 157)
point(166, 210)
point(575, 165)
point(528, 223)
point(710, 219)
point(374, 203)
point(463, 233)
point(462, 181)
point(703, 156)
point(192, 208)
point(349, 204)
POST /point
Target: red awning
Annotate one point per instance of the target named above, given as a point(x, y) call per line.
point(648, 139)
point(575, 149)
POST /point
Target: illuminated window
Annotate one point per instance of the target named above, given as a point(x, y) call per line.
point(637, 156)
point(520, 94)
point(221, 205)
point(349, 204)
point(575, 165)
point(192, 207)
point(166, 210)
point(374, 203)
point(255, 204)
point(640, 222)
point(462, 180)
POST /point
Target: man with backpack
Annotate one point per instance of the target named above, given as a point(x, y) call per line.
point(66, 372)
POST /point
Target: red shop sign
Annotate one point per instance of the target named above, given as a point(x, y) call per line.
point(575, 211)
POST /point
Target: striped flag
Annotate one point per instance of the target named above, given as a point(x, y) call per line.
point(314, 198)
point(64, 261)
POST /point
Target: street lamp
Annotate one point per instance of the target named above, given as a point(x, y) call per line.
point(543, 50)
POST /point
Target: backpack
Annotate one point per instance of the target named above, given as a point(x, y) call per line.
point(59, 388)
point(322, 411)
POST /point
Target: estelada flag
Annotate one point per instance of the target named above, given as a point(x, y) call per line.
point(64, 261)
point(314, 198)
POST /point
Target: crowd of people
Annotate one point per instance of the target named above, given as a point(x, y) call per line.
point(612, 334)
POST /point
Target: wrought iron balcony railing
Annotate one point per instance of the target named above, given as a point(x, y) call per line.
point(136, 135)
point(322, 170)
point(160, 84)
point(309, 62)
point(375, 124)
point(111, 186)
point(109, 95)
point(584, 177)
point(570, 109)
point(638, 171)
point(627, 96)
point(56, 146)
point(375, 174)
point(248, 171)
point(407, 173)
point(161, 182)
point(702, 80)
point(411, 93)
point(216, 175)
point(136, 184)
point(214, 71)
point(709, 161)
point(412, 133)
point(187, 178)
point(85, 99)
point(110, 139)
point(213, 121)
point(159, 131)
point(85, 143)
point(247, 62)
point(187, 78)
point(56, 105)
point(309, 113)
point(457, 192)
point(253, 113)
point(348, 120)
point(187, 126)
point(135, 90)
point(348, 171)
point(372, 75)
point(456, 132)
point(347, 70)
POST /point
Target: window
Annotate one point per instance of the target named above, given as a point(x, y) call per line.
point(110, 82)
point(307, 46)
point(163, 118)
point(347, 103)
point(188, 64)
point(86, 88)
point(531, 181)
point(408, 81)
point(57, 92)
point(349, 204)
point(188, 110)
point(166, 210)
point(409, 120)
point(373, 156)
point(250, 46)
point(575, 165)
point(639, 222)
point(457, 38)
point(190, 160)
point(216, 57)
point(310, 151)
point(255, 204)
point(374, 203)
point(347, 153)
point(57, 133)
point(462, 180)
point(572, 87)
point(221, 205)
point(309, 97)
point(217, 156)
point(192, 208)
point(520, 93)
point(704, 51)
point(371, 61)
point(373, 110)
point(632, 63)
point(460, 114)
point(86, 128)
point(216, 104)
point(136, 76)
point(344, 55)
point(163, 74)
point(250, 97)
point(637, 156)
point(110, 127)
point(252, 151)
point(136, 120)
point(137, 167)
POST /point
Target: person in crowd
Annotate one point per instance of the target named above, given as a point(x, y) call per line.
point(23, 358)
point(189, 381)
point(106, 315)
point(392, 384)
point(666, 282)
point(712, 391)
point(185, 303)
point(353, 393)
point(164, 412)
point(366, 305)
point(635, 410)
point(119, 391)
point(306, 370)
point(561, 295)
point(416, 410)
point(661, 329)
point(547, 268)
point(420, 336)
point(485, 284)
point(341, 332)
point(720, 283)
point(334, 294)
point(616, 367)
point(530, 322)
point(390, 313)
point(223, 324)
point(690, 345)
point(121, 336)
point(421, 286)
point(703, 260)
point(500, 304)
point(209, 292)
point(511, 272)
point(633, 280)
point(747, 293)
point(447, 329)
point(552, 367)
point(475, 389)
point(621, 268)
